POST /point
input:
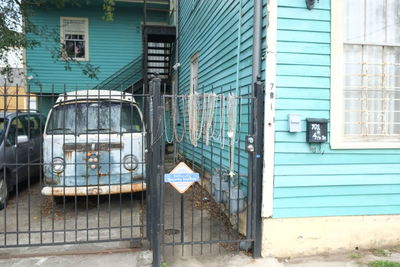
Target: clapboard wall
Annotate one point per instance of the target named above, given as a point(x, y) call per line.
point(221, 32)
point(327, 182)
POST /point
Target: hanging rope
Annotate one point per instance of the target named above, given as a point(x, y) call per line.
point(193, 118)
point(232, 115)
point(175, 116)
point(169, 141)
point(211, 98)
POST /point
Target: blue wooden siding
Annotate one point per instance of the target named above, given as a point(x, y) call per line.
point(337, 182)
point(212, 28)
point(111, 46)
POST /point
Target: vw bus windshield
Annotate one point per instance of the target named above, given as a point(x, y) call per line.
point(94, 117)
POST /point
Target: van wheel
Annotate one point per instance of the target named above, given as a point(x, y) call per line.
point(3, 191)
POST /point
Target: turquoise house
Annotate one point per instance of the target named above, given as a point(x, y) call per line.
point(331, 60)
point(97, 54)
point(336, 61)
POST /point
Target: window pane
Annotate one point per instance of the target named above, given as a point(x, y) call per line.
point(375, 21)
point(16, 129)
point(79, 49)
point(70, 48)
point(75, 26)
point(392, 90)
point(354, 21)
point(393, 21)
point(102, 117)
point(352, 88)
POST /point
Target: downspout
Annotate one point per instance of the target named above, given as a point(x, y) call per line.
point(239, 47)
point(257, 39)
point(255, 195)
point(269, 114)
point(175, 90)
point(176, 84)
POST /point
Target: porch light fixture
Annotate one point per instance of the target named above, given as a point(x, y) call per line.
point(310, 4)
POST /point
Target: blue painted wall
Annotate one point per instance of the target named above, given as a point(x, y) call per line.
point(111, 46)
point(222, 33)
point(328, 182)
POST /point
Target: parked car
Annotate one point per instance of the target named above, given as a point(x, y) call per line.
point(94, 144)
point(20, 149)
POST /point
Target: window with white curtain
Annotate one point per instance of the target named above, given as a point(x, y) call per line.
point(194, 73)
point(368, 68)
point(74, 37)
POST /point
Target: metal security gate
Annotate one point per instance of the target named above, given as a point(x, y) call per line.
point(217, 134)
point(90, 168)
point(74, 174)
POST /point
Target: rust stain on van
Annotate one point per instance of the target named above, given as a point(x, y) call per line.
point(68, 155)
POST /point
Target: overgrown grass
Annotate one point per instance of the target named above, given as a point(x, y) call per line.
point(384, 264)
point(355, 256)
point(381, 252)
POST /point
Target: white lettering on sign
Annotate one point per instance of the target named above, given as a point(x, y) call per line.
point(182, 177)
point(315, 127)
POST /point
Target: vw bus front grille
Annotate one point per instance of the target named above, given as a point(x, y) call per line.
point(92, 147)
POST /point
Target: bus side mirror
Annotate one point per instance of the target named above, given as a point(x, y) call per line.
point(21, 139)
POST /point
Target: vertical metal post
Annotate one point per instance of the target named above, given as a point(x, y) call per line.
point(157, 165)
point(258, 130)
point(145, 12)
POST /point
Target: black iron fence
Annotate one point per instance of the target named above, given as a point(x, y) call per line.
point(218, 136)
point(81, 166)
point(75, 172)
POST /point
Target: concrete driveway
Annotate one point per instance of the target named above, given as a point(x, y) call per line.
point(33, 219)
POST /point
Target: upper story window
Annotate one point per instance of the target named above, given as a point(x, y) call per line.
point(194, 73)
point(74, 36)
point(365, 111)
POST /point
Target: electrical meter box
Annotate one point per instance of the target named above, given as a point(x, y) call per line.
point(294, 123)
point(317, 130)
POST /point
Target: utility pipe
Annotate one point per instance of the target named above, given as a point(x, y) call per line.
point(257, 39)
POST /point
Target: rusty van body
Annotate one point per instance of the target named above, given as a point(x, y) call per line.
point(94, 144)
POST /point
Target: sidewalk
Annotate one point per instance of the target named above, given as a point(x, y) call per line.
point(143, 259)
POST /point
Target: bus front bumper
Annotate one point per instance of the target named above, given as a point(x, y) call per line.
point(92, 190)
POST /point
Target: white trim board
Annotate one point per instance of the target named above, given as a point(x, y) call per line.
point(269, 111)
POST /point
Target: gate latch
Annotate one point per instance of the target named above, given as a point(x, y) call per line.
point(250, 143)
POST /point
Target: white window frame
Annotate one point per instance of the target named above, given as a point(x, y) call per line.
point(194, 73)
point(62, 35)
point(337, 138)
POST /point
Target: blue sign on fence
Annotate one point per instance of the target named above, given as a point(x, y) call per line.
point(181, 177)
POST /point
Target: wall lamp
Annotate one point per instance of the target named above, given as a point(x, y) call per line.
point(310, 4)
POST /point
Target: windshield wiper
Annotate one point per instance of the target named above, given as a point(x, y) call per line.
point(101, 130)
point(62, 129)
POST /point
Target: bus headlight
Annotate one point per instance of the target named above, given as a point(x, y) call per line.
point(58, 165)
point(130, 162)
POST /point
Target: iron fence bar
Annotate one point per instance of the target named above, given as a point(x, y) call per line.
point(71, 230)
point(239, 162)
point(211, 242)
point(258, 113)
point(70, 243)
point(5, 168)
point(156, 178)
point(17, 171)
point(212, 170)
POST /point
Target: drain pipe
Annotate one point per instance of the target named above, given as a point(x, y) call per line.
point(257, 158)
point(176, 48)
point(257, 39)
point(175, 89)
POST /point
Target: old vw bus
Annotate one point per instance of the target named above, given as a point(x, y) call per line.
point(94, 144)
